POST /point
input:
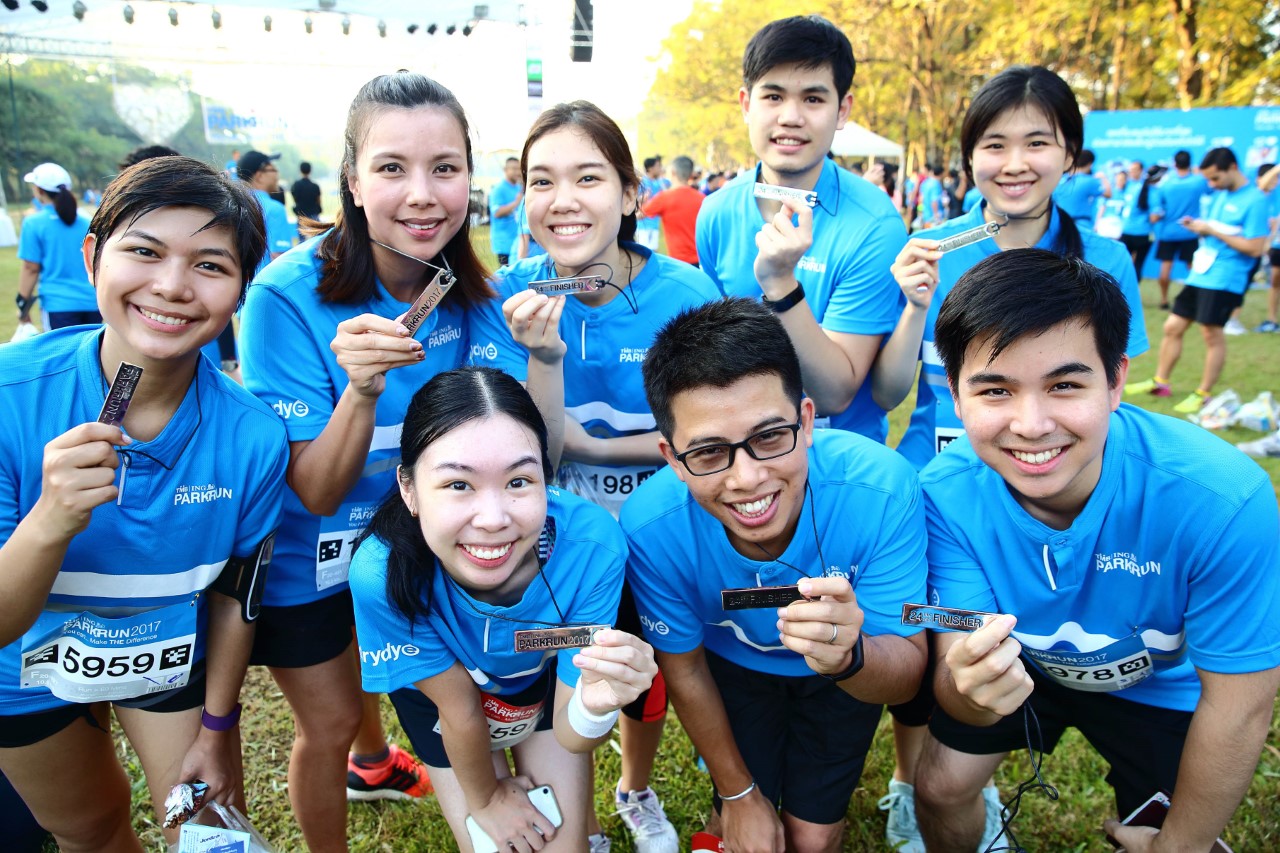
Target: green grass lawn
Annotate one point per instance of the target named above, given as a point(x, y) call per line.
point(1072, 823)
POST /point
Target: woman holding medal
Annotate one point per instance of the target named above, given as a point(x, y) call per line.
point(1021, 134)
point(473, 560)
point(129, 541)
point(581, 197)
point(337, 337)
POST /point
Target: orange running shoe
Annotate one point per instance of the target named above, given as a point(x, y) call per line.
point(400, 777)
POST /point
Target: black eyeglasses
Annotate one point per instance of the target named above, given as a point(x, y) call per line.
point(767, 444)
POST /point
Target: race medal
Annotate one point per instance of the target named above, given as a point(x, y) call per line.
point(122, 388)
point(428, 300)
point(753, 598)
point(965, 238)
point(1122, 664)
point(89, 658)
point(773, 192)
point(554, 639)
point(943, 618)
point(567, 286)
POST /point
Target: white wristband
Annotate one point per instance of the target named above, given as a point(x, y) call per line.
point(587, 724)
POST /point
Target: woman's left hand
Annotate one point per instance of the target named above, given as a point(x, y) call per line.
point(534, 321)
point(615, 669)
point(209, 760)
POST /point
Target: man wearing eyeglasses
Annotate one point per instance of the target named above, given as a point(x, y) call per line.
point(780, 701)
point(259, 171)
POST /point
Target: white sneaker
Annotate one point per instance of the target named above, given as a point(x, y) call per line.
point(992, 836)
point(598, 843)
point(642, 813)
point(900, 829)
point(1267, 447)
point(1234, 327)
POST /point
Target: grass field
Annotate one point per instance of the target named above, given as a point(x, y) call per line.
point(1072, 823)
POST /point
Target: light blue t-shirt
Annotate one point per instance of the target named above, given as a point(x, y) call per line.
point(1137, 222)
point(1078, 194)
point(1177, 549)
point(521, 229)
point(871, 522)
point(581, 584)
point(934, 422)
point(931, 195)
point(280, 233)
point(606, 347)
point(46, 240)
point(1217, 266)
point(650, 187)
point(207, 488)
point(971, 198)
point(502, 229)
point(857, 233)
point(1177, 196)
point(285, 332)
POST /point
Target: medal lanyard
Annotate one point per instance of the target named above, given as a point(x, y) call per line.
point(813, 519)
point(632, 302)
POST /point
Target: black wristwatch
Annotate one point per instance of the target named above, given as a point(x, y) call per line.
point(854, 667)
point(787, 302)
point(24, 302)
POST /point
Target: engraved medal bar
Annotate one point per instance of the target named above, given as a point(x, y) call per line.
point(944, 618)
point(566, 286)
point(773, 192)
point(752, 598)
point(965, 238)
point(122, 388)
point(428, 300)
point(554, 639)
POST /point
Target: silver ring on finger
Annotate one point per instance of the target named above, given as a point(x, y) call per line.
point(835, 632)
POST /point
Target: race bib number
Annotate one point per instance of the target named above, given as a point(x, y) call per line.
point(508, 724)
point(1203, 259)
point(1115, 667)
point(608, 486)
point(91, 659)
point(337, 542)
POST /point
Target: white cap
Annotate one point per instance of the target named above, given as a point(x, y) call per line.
point(48, 177)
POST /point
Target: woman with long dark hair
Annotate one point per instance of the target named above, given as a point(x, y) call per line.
point(49, 248)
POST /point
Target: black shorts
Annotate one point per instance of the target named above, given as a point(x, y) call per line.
point(26, 729)
point(1206, 307)
point(503, 260)
point(802, 737)
point(1142, 743)
point(917, 710)
point(1168, 250)
point(420, 718)
point(304, 634)
point(1136, 242)
point(63, 319)
point(651, 705)
point(1275, 260)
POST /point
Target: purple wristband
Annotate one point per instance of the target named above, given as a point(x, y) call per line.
point(220, 724)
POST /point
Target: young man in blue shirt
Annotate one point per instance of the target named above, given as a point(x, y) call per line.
point(1233, 231)
point(504, 200)
point(824, 270)
point(1137, 556)
point(780, 701)
point(1175, 197)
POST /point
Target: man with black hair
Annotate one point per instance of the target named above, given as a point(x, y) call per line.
point(259, 171)
point(780, 699)
point(1233, 231)
point(651, 183)
point(1079, 192)
point(1137, 556)
point(306, 194)
point(1176, 196)
point(824, 270)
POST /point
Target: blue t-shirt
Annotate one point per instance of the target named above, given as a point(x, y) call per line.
point(1217, 266)
point(583, 581)
point(1137, 222)
point(606, 346)
point(857, 233)
point(502, 229)
point(522, 229)
point(650, 187)
point(1179, 544)
point(931, 194)
point(1078, 194)
point(1177, 196)
point(971, 198)
point(285, 332)
point(186, 502)
point(46, 240)
point(681, 558)
point(934, 422)
point(280, 233)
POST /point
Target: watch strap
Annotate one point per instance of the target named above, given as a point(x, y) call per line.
point(787, 302)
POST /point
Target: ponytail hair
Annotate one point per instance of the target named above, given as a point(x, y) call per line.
point(1068, 243)
point(448, 401)
point(64, 204)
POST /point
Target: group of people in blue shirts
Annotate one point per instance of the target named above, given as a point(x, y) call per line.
point(600, 481)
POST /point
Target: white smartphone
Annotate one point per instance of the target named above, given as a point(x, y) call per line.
point(543, 799)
